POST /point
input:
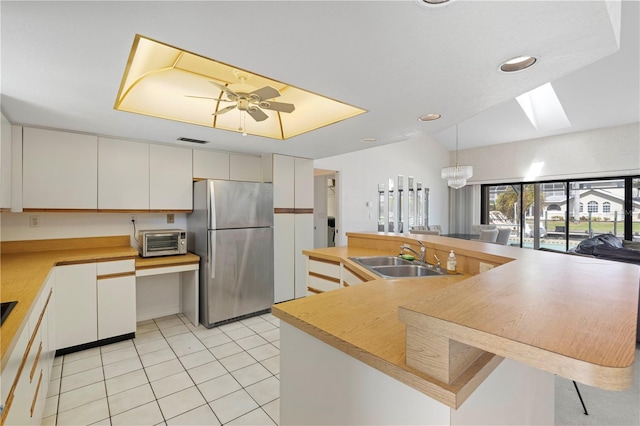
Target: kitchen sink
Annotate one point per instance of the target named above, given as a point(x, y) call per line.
point(408, 271)
point(380, 261)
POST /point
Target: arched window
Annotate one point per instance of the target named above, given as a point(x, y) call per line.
point(553, 207)
point(592, 207)
point(581, 207)
point(606, 207)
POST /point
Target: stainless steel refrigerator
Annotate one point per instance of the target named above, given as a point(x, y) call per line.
point(231, 229)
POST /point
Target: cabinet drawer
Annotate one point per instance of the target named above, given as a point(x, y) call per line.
point(350, 278)
point(321, 284)
point(323, 267)
point(115, 267)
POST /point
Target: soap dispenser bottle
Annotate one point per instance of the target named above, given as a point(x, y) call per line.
point(452, 263)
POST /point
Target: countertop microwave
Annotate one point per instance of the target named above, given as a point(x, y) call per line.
point(162, 242)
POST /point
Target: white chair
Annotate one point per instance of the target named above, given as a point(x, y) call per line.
point(436, 228)
point(488, 235)
point(476, 228)
point(503, 236)
point(423, 232)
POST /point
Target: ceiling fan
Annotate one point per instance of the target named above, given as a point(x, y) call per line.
point(249, 101)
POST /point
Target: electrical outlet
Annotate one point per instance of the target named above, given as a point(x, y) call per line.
point(34, 221)
point(484, 267)
point(170, 218)
point(132, 218)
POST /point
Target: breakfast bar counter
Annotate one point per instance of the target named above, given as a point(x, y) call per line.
point(445, 336)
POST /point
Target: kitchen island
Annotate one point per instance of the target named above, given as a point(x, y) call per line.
point(414, 350)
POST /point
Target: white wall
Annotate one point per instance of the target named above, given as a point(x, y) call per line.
point(362, 171)
point(15, 226)
point(613, 151)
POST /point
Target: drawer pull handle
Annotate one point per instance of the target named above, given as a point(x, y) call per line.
point(6, 408)
point(314, 290)
point(35, 363)
point(35, 395)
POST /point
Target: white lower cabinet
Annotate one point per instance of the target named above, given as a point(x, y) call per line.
point(95, 301)
point(25, 378)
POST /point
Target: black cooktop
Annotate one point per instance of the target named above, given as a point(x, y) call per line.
point(5, 310)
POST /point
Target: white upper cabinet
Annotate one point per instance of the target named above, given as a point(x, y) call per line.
point(123, 175)
point(246, 168)
point(283, 177)
point(60, 170)
point(5, 163)
point(210, 164)
point(170, 178)
point(303, 183)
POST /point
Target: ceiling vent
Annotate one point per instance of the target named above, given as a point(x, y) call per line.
point(192, 140)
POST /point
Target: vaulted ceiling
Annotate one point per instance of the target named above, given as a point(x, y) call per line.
point(63, 62)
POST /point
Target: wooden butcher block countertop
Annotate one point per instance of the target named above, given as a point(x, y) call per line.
point(569, 315)
point(25, 265)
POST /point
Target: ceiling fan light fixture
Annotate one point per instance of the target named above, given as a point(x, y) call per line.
point(518, 63)
point(429, 117)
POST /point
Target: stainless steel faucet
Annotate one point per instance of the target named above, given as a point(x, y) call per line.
point(421, 255)
point(437, 260)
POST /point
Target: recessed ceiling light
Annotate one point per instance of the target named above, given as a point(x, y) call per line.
point(517, 64)
point(429, 117)
point(435, 1)
point(368, 139)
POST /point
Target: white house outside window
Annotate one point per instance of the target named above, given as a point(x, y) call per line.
point(592, 207)
point(606, 207)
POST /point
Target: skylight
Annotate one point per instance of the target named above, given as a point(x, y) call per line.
point(543, 108)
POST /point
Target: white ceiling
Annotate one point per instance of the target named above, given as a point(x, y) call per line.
point(62, 64)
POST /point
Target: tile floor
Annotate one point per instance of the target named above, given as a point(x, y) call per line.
point(175, 374)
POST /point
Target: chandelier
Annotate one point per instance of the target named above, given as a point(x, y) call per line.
point(457, 175)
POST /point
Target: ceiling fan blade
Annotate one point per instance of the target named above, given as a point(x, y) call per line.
point(223, 110)
point(204, 97)
point(230, 93)
point(277, 106)
point(267, 92)
point(257, 113)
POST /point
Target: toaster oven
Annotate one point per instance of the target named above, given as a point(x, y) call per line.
point(162, 242)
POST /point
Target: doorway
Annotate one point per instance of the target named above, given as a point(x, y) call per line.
point(325, 208)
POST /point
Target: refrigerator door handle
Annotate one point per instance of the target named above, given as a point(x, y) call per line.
point(212, 256)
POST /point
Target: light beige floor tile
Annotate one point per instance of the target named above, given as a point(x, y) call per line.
point(173, 331)
point(251, 342)
point(56, 371)
point(201, 332)
point(233, 406)
point(81, 396)
point(103, 422)
point(126, 381)
point(205, 372)
point(265, 390)
point(262, 327)
point(168, 322)
point(272, 364)
point(253, 418)
point(122, 367)
point(273, 410)
point(215, 340)
point(57, 360)
point(260, 353)
point(181, 402)
point(50, 406)
point(85, 414)
point(276, 343)
point(157, 357)
point(239, 333)
point(49, 421)
point(237, 361)
point(196, 359)
point(252, 320)
point(249, 375)
point(54, 388)
point(271, 335)
point(171, 384)
point(147, 337)
point(231, 326)
point(147, 414)
point(84, 364)
point(198, 416)
point(149, 321)
point(76, 356)
point(164, 369)
point(185, 344)
point(119, 355)
point(129, 399)
point(116, 346)
point(219, 387)
point(81, 379)
point(226, 350)
point(151, 346)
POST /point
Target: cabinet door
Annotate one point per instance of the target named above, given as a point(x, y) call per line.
point(283, 177)
point(284, 257)
point(116, 306)
point(60, 170)
point(123, 175)
point(303, 183)
point(5, 163)
point(210, 164)
point(246, 168)
point(303, 241)
point(170, 178)
point(76, 312)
